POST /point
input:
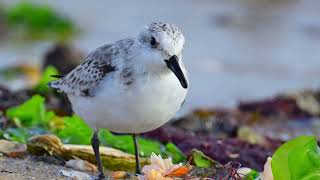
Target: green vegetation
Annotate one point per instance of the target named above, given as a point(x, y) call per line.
point(74, 131)
point(298, 158)
point(176, 154)
point(38, 21)
point(125, 143)
point(201, 160)
point(253, 174)
point(32, 115)
point(28, 114)
point(42, 86)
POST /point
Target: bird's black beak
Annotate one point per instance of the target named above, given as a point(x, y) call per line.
point(173, 65)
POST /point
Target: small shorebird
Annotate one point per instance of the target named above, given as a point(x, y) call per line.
point(131, 86)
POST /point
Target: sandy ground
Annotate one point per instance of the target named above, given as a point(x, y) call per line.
point(29, 167)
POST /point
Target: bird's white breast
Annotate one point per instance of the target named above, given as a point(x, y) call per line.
point(145, 105)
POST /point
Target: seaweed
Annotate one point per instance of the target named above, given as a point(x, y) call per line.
point(38, 21)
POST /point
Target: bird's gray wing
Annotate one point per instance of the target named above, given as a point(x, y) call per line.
point(84, 79)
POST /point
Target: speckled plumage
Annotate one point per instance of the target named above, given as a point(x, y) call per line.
point(171, 30)
point(127, 86)
point(85, 78)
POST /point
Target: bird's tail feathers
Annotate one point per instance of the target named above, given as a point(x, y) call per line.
point(54, 84)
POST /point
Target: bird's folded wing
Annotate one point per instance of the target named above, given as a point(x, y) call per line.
point(86, 77)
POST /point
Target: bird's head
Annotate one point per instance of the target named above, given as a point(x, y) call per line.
point(164, 43)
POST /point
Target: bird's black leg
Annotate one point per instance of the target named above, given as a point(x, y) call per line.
point(95, 146)
point(136, 149)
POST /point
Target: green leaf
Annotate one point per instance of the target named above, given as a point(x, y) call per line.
point(75, 131)
point(253, 174)
point(49, 115)
point(30, 113)
point(176, 154)
point(42, 87)
point(39, 21)
point(200, 160)
point(125, 143)
point(298, 158)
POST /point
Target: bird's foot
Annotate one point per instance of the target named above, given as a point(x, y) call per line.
point(101, 176)
point(138, 172)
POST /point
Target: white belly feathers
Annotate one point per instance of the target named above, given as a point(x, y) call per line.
point(141, 108)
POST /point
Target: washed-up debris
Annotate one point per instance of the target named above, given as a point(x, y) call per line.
point(45, 144)
point(244, 171)
point(9, 98)
point(215, 121)
point(112, 159)
point(12, 149)
point(286, 130)
point(121, 175)
point(221, 150)
point(163, 169)
point(20, 76)
point(32, 118)
point(280, 106)
point(50, 159)
point(180, 171)
point(202, 167)
point(307, 100)
point(200, 160)
point(75, 175)
point(81, 165)
point(276, 111)
point(63, 57)
point(247, 134)
point(267, 172)
point(257, 129)
point(267, 122)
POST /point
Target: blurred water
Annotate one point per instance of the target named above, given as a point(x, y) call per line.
point(235, 49)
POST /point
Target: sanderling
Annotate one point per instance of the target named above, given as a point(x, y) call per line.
point(131, 86)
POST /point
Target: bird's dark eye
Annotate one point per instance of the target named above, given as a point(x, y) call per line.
point(153, 42)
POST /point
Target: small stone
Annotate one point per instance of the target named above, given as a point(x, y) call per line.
point(120, 175)
point(75, 175)
point(81, 165)
point(12, 149)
